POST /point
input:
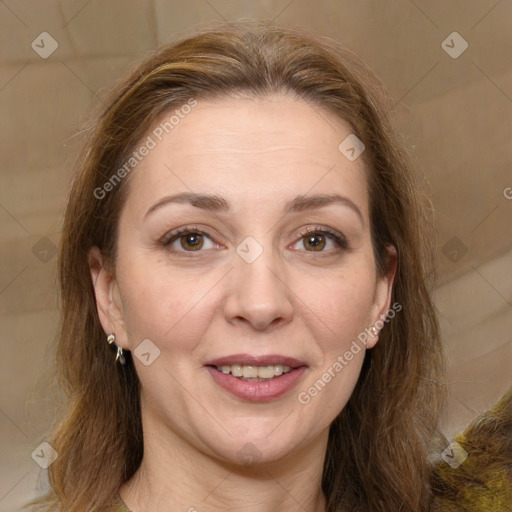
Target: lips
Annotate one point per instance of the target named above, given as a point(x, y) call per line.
point(248, 360)
point(235, 374)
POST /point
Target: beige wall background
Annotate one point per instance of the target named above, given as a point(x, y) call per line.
point(453, 105)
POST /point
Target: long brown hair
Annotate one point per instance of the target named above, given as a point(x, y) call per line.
point(377, 451)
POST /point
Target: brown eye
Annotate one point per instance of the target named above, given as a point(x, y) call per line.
point(192, 241)
point(188, 240)
point(315, 241)
point(322, 240)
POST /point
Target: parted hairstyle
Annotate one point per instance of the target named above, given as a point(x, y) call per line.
point(377, 450)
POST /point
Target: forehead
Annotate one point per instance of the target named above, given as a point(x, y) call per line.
point(248, 146)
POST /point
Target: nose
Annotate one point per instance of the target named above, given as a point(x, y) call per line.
point(258, 294)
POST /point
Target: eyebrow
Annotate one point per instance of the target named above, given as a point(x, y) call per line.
point(217, 203)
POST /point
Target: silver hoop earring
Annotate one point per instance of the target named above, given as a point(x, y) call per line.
point(111, 338)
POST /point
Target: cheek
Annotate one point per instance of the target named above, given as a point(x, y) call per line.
point(342, 311)
point(341, 306)
point(162, 304)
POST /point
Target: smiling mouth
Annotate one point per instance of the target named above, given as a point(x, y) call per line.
point(252, 378)
point(251, 373)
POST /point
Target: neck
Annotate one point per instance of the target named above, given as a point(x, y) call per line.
point(173, 474)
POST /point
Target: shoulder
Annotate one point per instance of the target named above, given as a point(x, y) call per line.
point(476, 473)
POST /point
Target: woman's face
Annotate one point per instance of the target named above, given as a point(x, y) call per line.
point(244, 248)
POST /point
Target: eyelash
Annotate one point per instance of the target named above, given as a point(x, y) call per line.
point(338, 238)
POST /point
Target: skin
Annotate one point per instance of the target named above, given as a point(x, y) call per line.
point(258, 154)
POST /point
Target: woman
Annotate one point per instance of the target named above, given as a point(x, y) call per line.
point(245, 291)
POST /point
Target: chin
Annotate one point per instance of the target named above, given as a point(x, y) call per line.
point(254, 449)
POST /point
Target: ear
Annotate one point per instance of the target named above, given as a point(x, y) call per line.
point(108, 299)
point(382, 296)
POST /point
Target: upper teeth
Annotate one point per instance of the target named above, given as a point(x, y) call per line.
point(247, 371)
